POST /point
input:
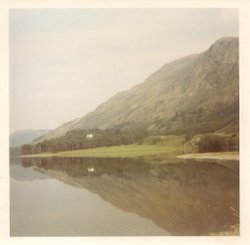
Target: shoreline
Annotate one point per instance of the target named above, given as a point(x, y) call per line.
point(206, 155)
point(115, 151)
point(232, 155)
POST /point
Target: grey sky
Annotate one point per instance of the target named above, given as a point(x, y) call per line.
point(65, 62)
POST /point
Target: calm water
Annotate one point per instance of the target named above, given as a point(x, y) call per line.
point(116, 197)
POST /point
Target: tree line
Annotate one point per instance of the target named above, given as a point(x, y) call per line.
point(84, 139)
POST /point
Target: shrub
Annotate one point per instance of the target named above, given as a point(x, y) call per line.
point(215, 143)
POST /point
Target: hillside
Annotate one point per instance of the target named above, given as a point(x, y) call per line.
point(198, 93)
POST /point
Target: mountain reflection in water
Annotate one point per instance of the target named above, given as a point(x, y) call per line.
point(184, 198)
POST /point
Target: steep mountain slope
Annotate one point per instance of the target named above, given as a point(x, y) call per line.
point(21, 137)
point(198, 93)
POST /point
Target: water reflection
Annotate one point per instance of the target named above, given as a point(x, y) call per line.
point(25, 173)
point(184, 198)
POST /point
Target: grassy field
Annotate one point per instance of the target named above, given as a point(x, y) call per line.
point(169, 145)
point(123, 151)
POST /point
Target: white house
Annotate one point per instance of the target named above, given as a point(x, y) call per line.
point(89, 136)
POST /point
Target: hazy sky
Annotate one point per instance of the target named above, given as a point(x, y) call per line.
point(65, 62)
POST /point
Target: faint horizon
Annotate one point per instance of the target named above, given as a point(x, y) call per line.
point(66, 62)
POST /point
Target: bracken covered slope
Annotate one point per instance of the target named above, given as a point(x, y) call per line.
point(198, 93)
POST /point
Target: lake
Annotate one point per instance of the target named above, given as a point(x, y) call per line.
point(122, 197)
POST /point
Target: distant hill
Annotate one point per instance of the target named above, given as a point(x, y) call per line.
point(21, 137)
point(198, 93)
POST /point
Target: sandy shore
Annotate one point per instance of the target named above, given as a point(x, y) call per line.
point(212, 155)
